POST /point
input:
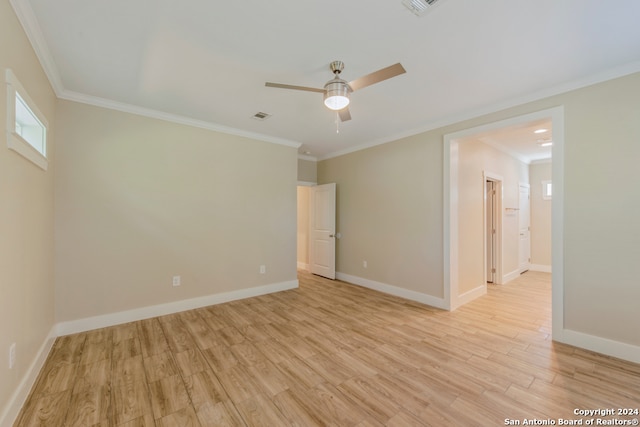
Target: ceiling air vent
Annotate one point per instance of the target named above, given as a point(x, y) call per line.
point(261, 116)
point(421, 7)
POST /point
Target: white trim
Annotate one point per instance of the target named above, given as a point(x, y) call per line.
point(14, 141)
point(169, 117)
point(450, 209)
point(557, 224)
point(610, 74)
point(393, 290)
point(499, 181)
point(527, 265)
point(307, 157)
point(470, 295)
point(545, 195)
point(303, 266)
point(96, 322)
point(600, 345)
point(510, 276)
point(29, 22)
point(540, 267)
point(307, 184)
point(19, 396)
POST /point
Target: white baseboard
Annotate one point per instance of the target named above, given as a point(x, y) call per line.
point(469, 296)
point(96, 322)
point(506, 278)
point(606, 346)
point(540, 267)
point(19, 397)
point(394, 290)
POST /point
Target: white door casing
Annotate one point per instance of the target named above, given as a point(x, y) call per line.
point(490, 233)
point(524, 228)
point(322, 224)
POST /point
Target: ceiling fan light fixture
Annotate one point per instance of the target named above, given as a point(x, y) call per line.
point(336, 96)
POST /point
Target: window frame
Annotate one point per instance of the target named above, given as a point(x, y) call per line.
point(547, 195)
point(15, 141)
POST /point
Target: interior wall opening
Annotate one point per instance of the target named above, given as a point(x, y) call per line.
point(457, 146)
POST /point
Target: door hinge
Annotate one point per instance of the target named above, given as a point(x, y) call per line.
point(493, 270)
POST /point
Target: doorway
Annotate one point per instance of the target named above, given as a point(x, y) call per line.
point(316, 232)
point(524, 225)
point(493, 228)
point(451, 213)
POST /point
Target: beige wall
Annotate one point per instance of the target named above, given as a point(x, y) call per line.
point(389, 212)
point(540, 217)
point(307, 170)
point(140, 200)
point(390, 207)
point(303, 227)
point(602, 207)
point(26, 220)
point(475, 158)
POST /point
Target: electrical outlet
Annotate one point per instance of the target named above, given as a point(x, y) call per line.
point(176, 281)
point(263, 269)
point(364, 264)
point(12, 355)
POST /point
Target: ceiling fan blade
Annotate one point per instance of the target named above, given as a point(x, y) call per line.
point(283, 86)
point(377, 76)
point(344, 114)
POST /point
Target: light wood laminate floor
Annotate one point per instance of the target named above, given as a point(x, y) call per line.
point(335, 354)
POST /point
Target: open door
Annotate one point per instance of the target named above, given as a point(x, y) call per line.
point(525, 227)
point(322, 224)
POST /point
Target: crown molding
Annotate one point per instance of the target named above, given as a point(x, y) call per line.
point(603, 76)
point(27, 18)
point(31, 27)
point(169, 117)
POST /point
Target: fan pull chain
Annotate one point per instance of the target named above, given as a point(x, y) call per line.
point(337, 122)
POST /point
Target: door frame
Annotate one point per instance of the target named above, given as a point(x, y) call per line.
point(450, 210)
point(327, 236)
point(497, 211)
point(528, 263)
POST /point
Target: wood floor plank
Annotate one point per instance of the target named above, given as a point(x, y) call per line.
point(130, 401)
point(186, 417)
point(205, 387)
point(48, 410)
point(329, 353)
point(92, 375)
point(89, 407)
point(151, 336)
point(160, 366)
point(260, 411)
point(221, 414)
point(168, 395)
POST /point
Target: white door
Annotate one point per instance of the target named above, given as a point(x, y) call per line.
point(525, 228)
point(322, 224)
point(491, 230)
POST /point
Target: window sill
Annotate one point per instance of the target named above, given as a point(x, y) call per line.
point(16, 143)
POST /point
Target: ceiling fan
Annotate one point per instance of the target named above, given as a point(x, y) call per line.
point(336, 91)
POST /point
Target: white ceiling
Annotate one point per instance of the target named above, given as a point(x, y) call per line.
point(521, 140)
point(205, 62)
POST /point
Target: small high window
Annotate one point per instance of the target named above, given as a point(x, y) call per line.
point(547, 189)
point(26, 125)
